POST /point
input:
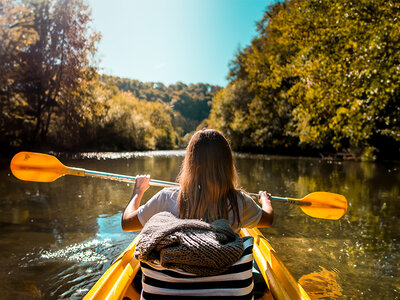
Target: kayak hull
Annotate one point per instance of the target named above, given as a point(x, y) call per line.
point(116, 282)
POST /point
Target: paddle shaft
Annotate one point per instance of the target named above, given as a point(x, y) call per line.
point(40, 167)
point(126, 178)
point(285, 199)
point(161, 183)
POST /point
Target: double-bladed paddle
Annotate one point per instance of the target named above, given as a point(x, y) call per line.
point(30, 166)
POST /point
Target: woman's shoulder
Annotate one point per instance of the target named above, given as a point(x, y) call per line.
point(245, 201)
point(243, 196)
point(169, 193)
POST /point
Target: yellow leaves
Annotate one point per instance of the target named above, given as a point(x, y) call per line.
point(342, 111)
point(353, 44)
point(141, 124)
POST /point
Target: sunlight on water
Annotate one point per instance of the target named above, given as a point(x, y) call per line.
point(96, 250)
point(71, 270)
point(83, 252)
point(126, 155)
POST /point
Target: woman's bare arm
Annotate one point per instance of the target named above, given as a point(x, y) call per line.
point(130, 220)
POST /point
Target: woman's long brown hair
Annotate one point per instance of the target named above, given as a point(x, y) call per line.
point(208, 179)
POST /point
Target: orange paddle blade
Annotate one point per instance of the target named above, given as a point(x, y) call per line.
point(37, 167)
point(324, 205)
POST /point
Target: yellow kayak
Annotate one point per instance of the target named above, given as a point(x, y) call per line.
point(116, 281)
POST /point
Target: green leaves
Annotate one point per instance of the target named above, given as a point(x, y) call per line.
point(328, 74)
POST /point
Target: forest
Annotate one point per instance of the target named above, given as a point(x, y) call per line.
point(319, 78)
point(53, 97)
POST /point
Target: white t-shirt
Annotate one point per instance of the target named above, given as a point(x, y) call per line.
point(167, 200)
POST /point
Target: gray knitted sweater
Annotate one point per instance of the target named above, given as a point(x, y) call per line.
point(192, 245)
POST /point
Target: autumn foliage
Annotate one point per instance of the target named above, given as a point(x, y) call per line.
point(52, 97)
point(320, 76)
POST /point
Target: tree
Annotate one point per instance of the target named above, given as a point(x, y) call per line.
point(348, 94)
point(49, 72)
point(16, 35)
point(321, 75)
point(258, 93)
point(191, 103)
point(133, 124)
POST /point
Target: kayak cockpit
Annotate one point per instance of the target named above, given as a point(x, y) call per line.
point(118, 281)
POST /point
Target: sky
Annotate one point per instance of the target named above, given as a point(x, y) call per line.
point(168, 41)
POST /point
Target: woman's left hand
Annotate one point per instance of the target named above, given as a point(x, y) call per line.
point(267, 216)
point(265, 198)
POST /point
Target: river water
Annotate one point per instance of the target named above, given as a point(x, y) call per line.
point(56, 239)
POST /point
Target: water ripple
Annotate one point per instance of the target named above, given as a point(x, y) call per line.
point(82, 252)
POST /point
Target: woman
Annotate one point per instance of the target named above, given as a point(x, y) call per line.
point(207, 190)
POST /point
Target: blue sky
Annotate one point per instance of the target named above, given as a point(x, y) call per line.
point(173, 40)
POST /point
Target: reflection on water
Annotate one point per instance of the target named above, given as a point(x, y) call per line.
point(57, 238)
point(322, 284)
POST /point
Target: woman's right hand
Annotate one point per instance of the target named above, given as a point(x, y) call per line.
point(142, 184)
point(130, 220)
